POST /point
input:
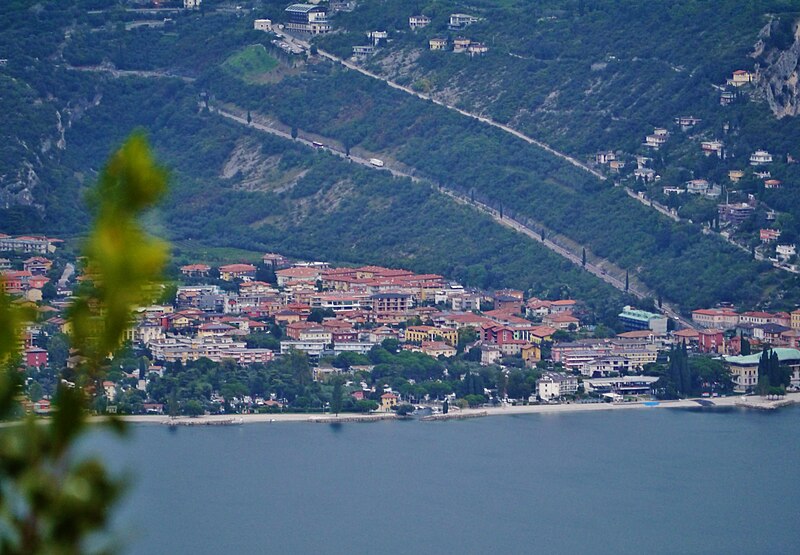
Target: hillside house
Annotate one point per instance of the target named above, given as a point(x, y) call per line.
point(740, 78)
point(760, 157)
point(438, 43)
point(687, 122)
point(262, 25)
point(772, 184)
point(735, 213)
point(362, 52)
point(785, 252)
point(616, 165)
point(768, 235)
point(307, 18)
point(697, 186)
point(460, 44)
point(460, 20)
point(377, 36)
point(657, 138)
point(713, 147)
point(477, 49)
point(605, 157)
point(735, 175)
point(192, 4)
point(418, 22)
point(726, 98)
point(645, 174)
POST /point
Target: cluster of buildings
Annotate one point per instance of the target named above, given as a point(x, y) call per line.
point(721, 329)
point(459, 44)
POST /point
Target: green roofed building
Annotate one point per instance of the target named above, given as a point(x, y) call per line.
point(744, 368)
point(634, 319)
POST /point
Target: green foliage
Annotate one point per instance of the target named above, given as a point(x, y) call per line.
point(250, 64)
point(52, 500)
point(771, 370)
point(336, 395)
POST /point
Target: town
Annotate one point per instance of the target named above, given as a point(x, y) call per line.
point(286, 335)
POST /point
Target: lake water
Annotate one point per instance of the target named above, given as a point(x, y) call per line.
point(640, 481)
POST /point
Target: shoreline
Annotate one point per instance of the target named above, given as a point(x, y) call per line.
point(747, 402)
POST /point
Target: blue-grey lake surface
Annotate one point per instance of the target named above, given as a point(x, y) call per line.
point(639, 481)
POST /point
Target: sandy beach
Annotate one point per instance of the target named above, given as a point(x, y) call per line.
point(750, 401)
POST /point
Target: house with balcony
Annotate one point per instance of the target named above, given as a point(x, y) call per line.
point(760, 158)
point(735, 213)
point(362, 52)
point(555, 385)
point(418, 22)
point(477, 49)
point(741, 78)
point(438, 43)
point(657, 138)
point(713, 147)
point(460, 44)
point(460, 20)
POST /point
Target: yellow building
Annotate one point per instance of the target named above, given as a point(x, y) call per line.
point(419, 334)
point(388, 401)
point(531, 354)
point(795, 321)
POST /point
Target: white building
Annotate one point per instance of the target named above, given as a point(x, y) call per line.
point(553, 385)
point(192, 4)
point(262, 25)
point(461, 20)
point(760, 157)
point(785, 252)
point(418, 22)
point(307, 18)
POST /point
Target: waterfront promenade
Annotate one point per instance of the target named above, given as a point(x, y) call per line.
point(749, 401)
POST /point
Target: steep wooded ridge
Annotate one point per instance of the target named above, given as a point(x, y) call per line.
point(237, 189)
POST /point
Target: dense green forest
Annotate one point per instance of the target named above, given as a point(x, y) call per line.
point(305, 203)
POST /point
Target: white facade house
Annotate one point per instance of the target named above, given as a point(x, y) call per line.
point(262, 25)
point(553, 385)
point(418, 22)
point(760, 157)
point(784, 252)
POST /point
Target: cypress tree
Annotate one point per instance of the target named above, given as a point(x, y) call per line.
point(686, 373)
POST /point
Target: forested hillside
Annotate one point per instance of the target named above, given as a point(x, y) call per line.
point(236, 188)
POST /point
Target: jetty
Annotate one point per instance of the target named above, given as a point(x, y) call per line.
point(204, 422)
point(353, 418)
point(453, 416)
point(761, 403)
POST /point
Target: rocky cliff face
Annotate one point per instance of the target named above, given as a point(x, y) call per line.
point(778, 80)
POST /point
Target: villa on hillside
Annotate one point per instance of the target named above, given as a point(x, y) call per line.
point(740, 78)
point(760, 157)
point(418, 22)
